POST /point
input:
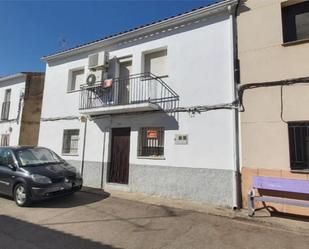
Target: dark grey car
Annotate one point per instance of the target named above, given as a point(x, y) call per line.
point(35, 173)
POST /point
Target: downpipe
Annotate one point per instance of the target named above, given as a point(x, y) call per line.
point(84, 147)
point(237, 201)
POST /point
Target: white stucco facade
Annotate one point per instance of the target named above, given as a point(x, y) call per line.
point(11, 125)
point(200, 70)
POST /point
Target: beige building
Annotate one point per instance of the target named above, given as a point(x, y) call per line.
point(273, 44)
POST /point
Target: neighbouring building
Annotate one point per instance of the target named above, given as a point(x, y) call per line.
point(21, 100)
point(273, 40)
point(127, 110)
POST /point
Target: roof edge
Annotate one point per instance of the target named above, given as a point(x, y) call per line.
point(139, 31)
point(20, 74)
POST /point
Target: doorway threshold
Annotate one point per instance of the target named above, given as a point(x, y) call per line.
point(117, 186)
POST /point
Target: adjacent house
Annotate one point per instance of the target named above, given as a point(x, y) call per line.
point(21, 99)
point(273, 38)
point(128, 110)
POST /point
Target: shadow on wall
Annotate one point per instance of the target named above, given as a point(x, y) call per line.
point(136, 121)
point(243, 7)
point(15, 233)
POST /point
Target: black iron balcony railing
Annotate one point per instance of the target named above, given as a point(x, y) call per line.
point(137, 89)
point(5, 110)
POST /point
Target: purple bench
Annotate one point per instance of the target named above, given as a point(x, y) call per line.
point(278, 184)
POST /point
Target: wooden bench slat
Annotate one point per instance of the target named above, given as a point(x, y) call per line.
point(281, 184)
point(286, 201)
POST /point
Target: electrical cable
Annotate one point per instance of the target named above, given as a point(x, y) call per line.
point(281, 107)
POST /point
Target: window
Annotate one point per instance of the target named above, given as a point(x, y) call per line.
point(5, 140)
point(156, 63)
point(36, 156)
point(6, 105)
point(70, 142)
point(295, 22)
point(76, 79)
point(6, 157)
point(151, 142)
point(299, 145)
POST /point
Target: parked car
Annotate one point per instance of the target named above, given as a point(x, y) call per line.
point(35, 173)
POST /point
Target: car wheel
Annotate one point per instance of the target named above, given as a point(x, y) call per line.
point(21, 195)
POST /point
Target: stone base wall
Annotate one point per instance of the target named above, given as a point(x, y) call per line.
point(211, 186)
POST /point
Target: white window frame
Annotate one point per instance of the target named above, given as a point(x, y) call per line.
point(70, 79)
point(160, 49)
point(65, 135)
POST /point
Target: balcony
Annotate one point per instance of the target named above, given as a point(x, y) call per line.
point(138, 93)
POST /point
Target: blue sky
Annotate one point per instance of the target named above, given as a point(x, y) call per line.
point(31, 29)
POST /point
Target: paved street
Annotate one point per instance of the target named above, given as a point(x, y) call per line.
point(92, 220)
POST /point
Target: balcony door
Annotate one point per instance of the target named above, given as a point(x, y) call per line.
point(125, 70)
point(120, 152)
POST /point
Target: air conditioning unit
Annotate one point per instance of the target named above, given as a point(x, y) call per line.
point(95, 77)
point(98, 60)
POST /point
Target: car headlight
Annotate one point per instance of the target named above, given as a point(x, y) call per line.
point(40, 179)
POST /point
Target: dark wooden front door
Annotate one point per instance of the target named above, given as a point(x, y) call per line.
point(119, 168)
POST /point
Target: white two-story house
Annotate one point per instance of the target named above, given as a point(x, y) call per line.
point(124, 109)
point(20, 104)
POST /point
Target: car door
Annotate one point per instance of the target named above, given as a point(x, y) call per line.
point(6, 172)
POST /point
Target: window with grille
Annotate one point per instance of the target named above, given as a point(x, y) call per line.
point(299, 145)
point(151, 142)
point(295, 22)
point(70, 142)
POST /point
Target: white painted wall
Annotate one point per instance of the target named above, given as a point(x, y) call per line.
point(199, 69)
point(17, 85)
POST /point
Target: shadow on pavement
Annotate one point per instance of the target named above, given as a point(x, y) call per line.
point(84, 197)
point(15, 233)
point(296, 217)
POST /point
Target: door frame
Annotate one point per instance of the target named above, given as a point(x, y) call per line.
point(110, 153)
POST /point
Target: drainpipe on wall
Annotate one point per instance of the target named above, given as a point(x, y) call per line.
point(235, 79)
point(84, 147)
point(108, 128)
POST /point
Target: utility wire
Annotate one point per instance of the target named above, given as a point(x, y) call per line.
point(287, 82)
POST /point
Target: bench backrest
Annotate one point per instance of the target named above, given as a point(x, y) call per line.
point(281, 184)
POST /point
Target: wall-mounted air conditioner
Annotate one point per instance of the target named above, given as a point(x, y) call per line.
point(95, 77)
point(98, 60)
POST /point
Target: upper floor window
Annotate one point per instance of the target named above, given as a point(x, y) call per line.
point(6, 105)
point(299, 145)
point(156, 63)
point(6, 157)
point(76, 79)
point(295, 21)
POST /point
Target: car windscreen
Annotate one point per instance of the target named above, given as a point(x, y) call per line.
point(36, 156)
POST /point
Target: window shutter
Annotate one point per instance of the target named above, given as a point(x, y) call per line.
point(78, 79)
point(156, 63)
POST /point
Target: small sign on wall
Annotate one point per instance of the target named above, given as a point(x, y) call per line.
point(152, 134)
point(181, 139)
